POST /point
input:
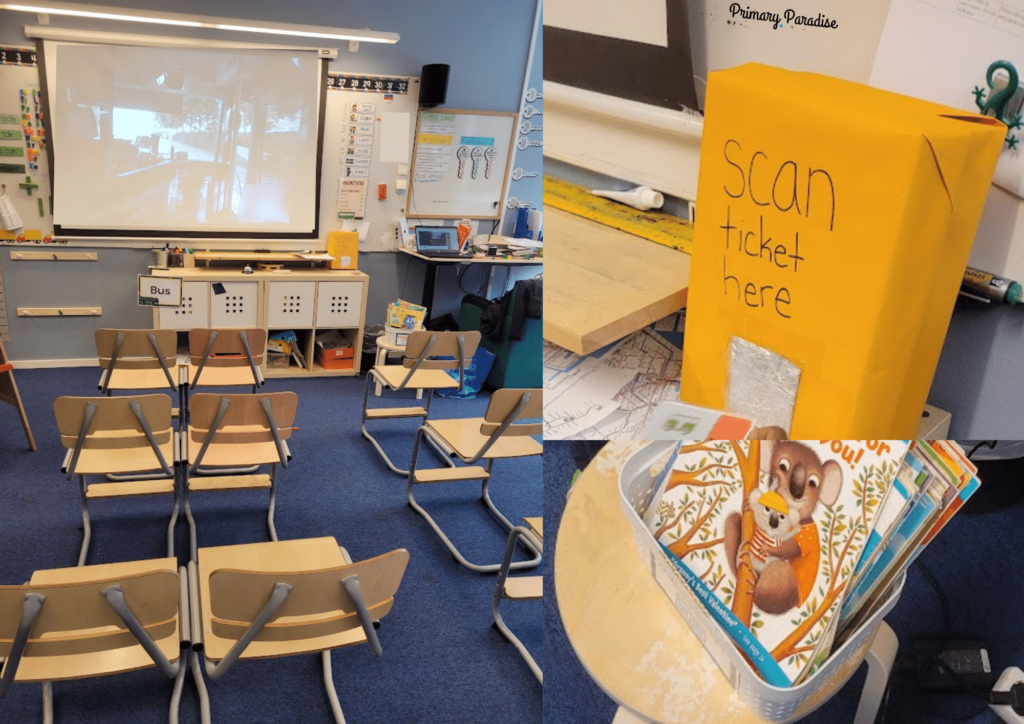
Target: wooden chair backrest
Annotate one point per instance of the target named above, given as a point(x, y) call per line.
point(244, 421)
point(503, 402)
point(113, 425)
point(76, 618)
point(447, 345)
point(228, 350)
point(317, 605)
point(136, 351)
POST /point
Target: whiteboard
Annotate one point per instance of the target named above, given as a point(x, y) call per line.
point(382, 216)
point(460, 164)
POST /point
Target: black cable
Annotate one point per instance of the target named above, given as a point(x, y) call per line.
point(990, 443)
point(408, 264)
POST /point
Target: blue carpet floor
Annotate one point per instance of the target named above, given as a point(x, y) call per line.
point(975, 562)
point(442, 662)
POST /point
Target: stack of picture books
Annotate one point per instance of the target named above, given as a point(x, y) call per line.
point(791, 545)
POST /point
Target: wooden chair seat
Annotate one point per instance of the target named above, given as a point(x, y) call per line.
point(229, 482)
point(36, 668)
point(99, 461)
point(139, 379)
point(392, 376)
point(448, 475)
point(276, 556)
point(214, 376)
point(465, 438)
point(164, 486)
point(220, 454)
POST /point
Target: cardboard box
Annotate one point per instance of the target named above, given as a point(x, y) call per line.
point(332, 345)
point(335, 363)
point(833, 227)
point(344, 247)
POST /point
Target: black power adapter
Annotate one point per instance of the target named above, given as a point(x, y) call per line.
point(956, 664)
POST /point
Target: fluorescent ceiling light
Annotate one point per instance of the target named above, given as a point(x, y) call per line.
point(201, 21)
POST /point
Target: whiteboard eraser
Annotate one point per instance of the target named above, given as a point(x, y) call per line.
point(403, 169)
point(401, 185)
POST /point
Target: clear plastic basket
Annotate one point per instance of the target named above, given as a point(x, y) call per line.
point(636, 486)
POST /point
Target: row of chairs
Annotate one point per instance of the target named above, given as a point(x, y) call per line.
point(253, 601)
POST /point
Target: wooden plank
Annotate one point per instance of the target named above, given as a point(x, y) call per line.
point(536, 525)
point(604, 284)
point(54, 256)
point(60, 311)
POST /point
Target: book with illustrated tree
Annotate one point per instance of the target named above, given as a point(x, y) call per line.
point(767, 534)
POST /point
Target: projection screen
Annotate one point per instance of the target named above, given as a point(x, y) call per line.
point(166, 141)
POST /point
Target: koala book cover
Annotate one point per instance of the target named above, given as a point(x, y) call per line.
point(767, 534)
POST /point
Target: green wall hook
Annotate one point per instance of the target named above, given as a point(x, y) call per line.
point(998, 99)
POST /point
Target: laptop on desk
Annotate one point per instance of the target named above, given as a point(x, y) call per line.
point(439, 241)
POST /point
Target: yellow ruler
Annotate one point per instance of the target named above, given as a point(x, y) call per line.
point(655, 226)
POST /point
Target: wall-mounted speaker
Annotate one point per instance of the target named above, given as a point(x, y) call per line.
point(434, 85)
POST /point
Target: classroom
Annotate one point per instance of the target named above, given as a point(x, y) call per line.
point(270, 361)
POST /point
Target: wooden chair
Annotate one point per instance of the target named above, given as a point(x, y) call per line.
point(226, 357)
point(520, 588)
point(420, 370)
point(231, 434)
point(88, 621)
point(9, 393)
point(287, 598)
point(131, 437)
point(138, 359)
point(495, 435)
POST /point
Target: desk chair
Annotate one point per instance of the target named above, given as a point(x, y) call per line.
point(235, 434)
point(495, 435)
point(421, 369)
point(138, 359)
point(226, 357)
point(131, 437)
point(83, 622)
point(520, 588)
point(266, 600)
point(9, 394)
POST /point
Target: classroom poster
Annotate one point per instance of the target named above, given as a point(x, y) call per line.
point(352, 197)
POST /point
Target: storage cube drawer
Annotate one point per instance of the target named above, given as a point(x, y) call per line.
point(338, 304)
point(194, 311)
point(290, 304)
point(236, 306)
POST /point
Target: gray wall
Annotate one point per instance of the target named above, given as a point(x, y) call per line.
point(486, 44)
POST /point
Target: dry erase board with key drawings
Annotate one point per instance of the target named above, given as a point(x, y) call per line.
point(460, 164)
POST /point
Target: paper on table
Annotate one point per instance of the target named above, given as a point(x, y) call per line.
point(394, 137)
point(611, 393)
point(914, 58)
point(316, 257)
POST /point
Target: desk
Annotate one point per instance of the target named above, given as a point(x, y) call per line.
point(427, 297)
point(626, 633)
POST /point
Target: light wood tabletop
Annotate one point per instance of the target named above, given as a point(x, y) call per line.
point(604, 284)
point(473, 259)
point(625, 631)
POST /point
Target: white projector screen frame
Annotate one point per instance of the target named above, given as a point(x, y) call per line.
point(276, 230)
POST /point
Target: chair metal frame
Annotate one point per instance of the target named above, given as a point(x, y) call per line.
point(284, 455)
point(71, 463)
point(33, 604)
point(279, 594)
point(495, 430)
point(423, 360)
point(499, 592)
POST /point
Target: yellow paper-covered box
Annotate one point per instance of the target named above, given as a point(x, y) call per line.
point(833, 227)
